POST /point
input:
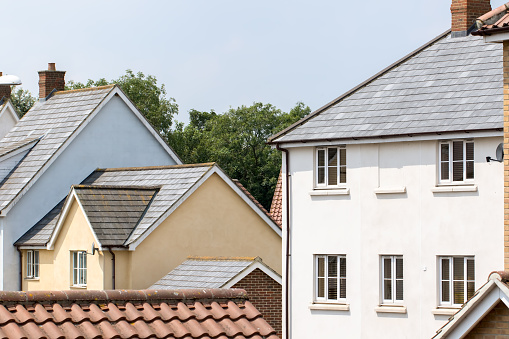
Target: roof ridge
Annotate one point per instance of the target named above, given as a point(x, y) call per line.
point(124, 187)
point(115, 169)
point(220, 258)
point(85, 89)
point(101, 296)
point(271, 139)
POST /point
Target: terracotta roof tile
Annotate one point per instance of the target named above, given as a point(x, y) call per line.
point(204, 313)
point(276, 208)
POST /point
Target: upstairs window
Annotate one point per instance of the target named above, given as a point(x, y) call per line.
point(456, 161)
point(32, 264)
point(79, 268)
point(457, 280)
point(330, 278)
point(392, 279)
point(330, 166)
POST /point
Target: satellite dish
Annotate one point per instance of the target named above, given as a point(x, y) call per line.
point(10, 79)
point(499, 153)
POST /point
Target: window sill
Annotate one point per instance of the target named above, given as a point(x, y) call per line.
point(445, 311)
point(390, 190)
point(75, 287)
point(32, 279)
point(325, 192)
point(390, 309)
point(448, 189)
point(329, 307)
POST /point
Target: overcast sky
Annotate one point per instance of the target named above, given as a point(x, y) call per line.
point(220, 54)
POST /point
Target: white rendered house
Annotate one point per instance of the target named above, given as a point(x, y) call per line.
point(392, 214)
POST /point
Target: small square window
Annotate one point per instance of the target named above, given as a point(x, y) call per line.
point(330, 166)
point(79, 268)
point(456, 161)
point(457, 280)
point(330, 278)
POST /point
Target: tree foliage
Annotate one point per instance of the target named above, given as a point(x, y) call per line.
point(145, 93)
point(236, 140)
point(22, 100)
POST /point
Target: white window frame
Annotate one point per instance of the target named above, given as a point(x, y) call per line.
point(393, 280)
point(32, 268)
point(341, 280)
point(450, 179)
point(339, 166)
point(451, 280)
point(79, 268)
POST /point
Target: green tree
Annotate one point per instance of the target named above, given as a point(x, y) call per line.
point(22, 100)
point(145, 93)
point(236, 140)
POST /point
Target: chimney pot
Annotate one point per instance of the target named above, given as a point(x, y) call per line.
point(464, 13)
point(49, 80)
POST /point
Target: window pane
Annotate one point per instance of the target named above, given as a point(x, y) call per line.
point(470, 170)
point(470, 289)
point(445, 269)
point(399, 268)
point(457, 171)
point(342, 175)
point(470, 151)
point(332, 266)
point(458, 268)
point(399, 289)
point(470, 269)
point(459, 292)
point(387, 289)
point(445, 291)
point(321, 267)
point(321, 175)
point(321, 157)
point(342, 154)
point(342, 267)
point(387, 268)
point(332, 176)
point(444, 152)
point(444, 171)
point(332, 159)
point(321, 287)
point(457, 150)
point(333, 288)
point(342, 288)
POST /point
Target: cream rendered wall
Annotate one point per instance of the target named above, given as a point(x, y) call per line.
point(213, 221)
point(56, 270)
point(419, 224)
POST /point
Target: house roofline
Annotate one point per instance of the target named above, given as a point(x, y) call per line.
point(272, 139)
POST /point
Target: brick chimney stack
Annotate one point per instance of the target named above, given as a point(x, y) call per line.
point(49, 80)
point(464, 13)
point(5, 90)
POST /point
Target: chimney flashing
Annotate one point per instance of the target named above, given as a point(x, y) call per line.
point(464, 14)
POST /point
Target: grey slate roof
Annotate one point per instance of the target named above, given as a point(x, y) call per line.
point(53, 122)
point(114, 212)
point(203, 273)
point(173, 183)
point(452, 84)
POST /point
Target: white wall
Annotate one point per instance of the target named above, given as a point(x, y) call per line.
point(418, 224)
point(7, 120)
point(114, 138)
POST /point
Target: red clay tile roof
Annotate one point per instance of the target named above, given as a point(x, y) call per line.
point(250, 196)
point(211, 313)
point(495, 21)
point(276, 208)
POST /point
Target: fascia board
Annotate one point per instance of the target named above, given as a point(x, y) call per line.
point(151, 129)
point(18, 150)
point(65, 210)
point(61, 149)
point(472, 312)
point(382, 140)
point(133, 243)
point(34, 247)
point(253, 266)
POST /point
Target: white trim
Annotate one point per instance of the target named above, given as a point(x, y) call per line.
point(253, 266)
point(390, 190)
point(388, 139)
point(11, 110)
point(133, 243)
point(326, 192)
point(329, 307)
point(68, 203)
point(115, 90)
point(390, 309)
point(20, 149)
point(28, 247)
point(497, 37)
point(452, 188)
